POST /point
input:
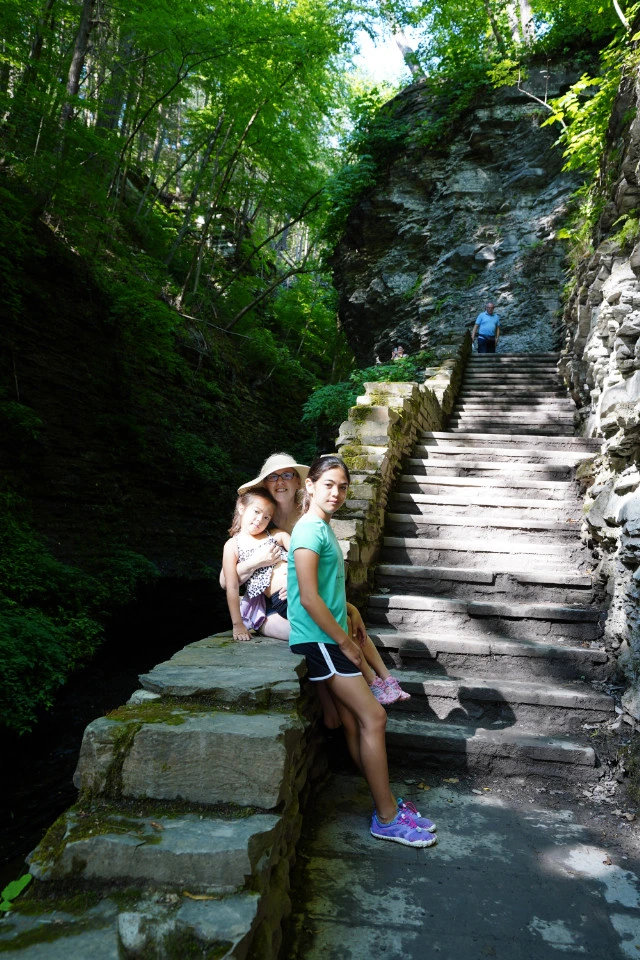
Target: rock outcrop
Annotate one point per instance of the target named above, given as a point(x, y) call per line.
point(449, 228)
point(602, 367)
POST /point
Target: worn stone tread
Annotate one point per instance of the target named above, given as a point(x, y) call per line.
point(459, 438)
point(513, 506)
point(570, 695)
point(481, 546)
point(505, 453)
point(476, 608)
point(504, 468)
point(494, 522)
point(566, 755)
point(472, 575)
point(248, 757)
point(564, 486)
point(257, 673)
point(489, 644)
point(205, 855)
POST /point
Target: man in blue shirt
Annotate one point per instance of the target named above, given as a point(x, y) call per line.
point(487, 329)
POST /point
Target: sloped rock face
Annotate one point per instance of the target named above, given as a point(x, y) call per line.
point(448, 229)
point(602, 367)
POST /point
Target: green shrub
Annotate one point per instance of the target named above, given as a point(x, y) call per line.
point(52, 614)
point(328, 406)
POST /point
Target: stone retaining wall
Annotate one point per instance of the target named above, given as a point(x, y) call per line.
point(185, 831)
point(602, 368)
point(380, 432)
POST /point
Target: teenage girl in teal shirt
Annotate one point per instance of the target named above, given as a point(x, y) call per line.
point(318, 616)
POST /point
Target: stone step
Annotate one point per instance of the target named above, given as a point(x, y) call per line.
point(536, 706)
point(468, 425)
point(499, 361)
point(486, 410)
point(473, 583)
point(472, 468)
point(440, 438)
point(524, 529)
point(230, 673)
point(519, 356)
point(538, 377)
point(490, 655)
point(482, 552)
point(520, 394)
point(484, 505)
point(192, 851)
point(133, 924)
point(249, 757)
point(502, 752)
point(501, 454)
point(505, 487)
point(531, 404)
point(515, 620)
point(533, 418)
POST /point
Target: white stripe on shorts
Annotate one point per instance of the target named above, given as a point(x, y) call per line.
point(330, 664)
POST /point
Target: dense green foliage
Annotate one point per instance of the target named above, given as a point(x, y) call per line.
point(52, 615)
point(328, 406)
point(584, 115)
point(178, 153)
point(454, 35)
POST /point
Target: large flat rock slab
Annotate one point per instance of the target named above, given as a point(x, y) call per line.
point(210, 757)
point(59, 935)
point(200, 854)
point(173, 926)
point(258, 673)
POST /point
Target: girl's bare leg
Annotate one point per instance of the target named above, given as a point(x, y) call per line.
point(373, 658)
point(368, 736)
point(330, 713)
point(276, 626)
point(366, 670)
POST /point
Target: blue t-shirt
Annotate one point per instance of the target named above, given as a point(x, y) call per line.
point(487, 324)
point(312, 533)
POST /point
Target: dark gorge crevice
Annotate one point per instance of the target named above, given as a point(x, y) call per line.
point(38, 767)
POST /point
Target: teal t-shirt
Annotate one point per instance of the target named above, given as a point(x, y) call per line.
point(314, 534)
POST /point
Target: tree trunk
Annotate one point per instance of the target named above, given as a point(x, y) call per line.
point(186, 220)
point(501, 45)
point(78, 58)
point(408, 54)
point(526, 22)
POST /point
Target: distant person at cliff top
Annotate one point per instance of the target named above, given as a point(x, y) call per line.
point(487, 330)
point(398, 353)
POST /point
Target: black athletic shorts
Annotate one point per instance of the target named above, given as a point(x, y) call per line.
point(275, 605)
point(325, 660)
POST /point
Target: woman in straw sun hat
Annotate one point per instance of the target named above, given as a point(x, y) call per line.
point(284, 479)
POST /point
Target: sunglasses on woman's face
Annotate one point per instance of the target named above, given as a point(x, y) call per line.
point(286, 475)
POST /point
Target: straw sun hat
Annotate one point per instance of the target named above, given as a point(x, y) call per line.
point(276, 463)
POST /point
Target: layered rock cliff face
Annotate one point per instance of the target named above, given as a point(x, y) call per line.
point(602, 367)
point(450, 227)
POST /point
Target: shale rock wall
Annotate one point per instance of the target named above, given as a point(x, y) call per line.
point(448, 228)
point(602, 367)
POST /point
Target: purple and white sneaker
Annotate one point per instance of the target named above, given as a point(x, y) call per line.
point(394, 687)
point(423, 822)
point(402, 829)
point(381, 693)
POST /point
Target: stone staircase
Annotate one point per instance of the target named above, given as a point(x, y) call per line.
point(484, 597)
